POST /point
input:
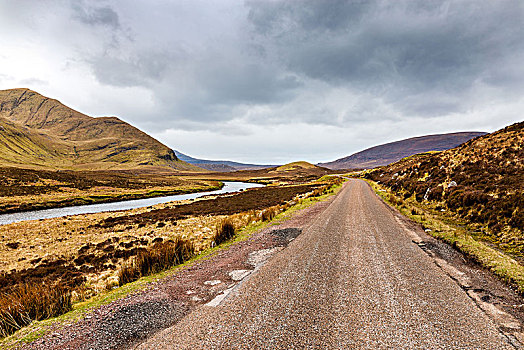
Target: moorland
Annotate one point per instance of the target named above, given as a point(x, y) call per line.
point(53, 156)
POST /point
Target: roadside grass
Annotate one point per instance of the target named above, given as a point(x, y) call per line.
point(269, 213)
point(307, 202)
point(29, 302)
point(225, 231)
point(457, 235)
point(39, 328)
point(159, 257)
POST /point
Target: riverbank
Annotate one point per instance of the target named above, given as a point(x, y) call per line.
point(226, 187)
point(28, 189)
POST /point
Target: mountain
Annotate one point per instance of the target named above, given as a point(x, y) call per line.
point(296, 166)
point(37, 131)
point(296, 169)
point(219, 165)
point(394, 151)
point(481, 181)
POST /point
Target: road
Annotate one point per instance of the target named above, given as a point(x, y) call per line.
point(352, 280)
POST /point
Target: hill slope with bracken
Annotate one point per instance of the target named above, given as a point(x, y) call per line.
point(481, 182)
point(40, 132)
point(391, 152)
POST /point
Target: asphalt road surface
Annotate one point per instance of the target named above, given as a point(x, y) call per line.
point(351, 280)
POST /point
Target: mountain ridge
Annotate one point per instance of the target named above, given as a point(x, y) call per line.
point(391, 152)
point(45, 133)
point(219, 165)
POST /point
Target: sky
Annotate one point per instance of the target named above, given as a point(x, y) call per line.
point(268, 82)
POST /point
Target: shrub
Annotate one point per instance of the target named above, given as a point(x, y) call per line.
point(436, 193)
point(224, 232)
point(395, 201)
point(29, 302)
point(159, 257)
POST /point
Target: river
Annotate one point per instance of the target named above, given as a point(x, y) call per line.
point(115, 206)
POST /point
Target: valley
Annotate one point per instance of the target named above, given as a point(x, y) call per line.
point(55, 157)
point(261, 175)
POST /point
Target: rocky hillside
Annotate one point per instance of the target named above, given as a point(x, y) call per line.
point(40, 132)
point(391, 152)
point(481, 181)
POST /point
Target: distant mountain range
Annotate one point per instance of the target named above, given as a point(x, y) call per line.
point(219, 165)
point(40, 132)
point(391, 152)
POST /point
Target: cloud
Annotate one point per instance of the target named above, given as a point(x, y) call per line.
point(89, 13)
point(271, 74)
point(396, 49)
point(33, 81)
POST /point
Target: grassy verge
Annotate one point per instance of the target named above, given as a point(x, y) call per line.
point(39, 328)
point(457, 234)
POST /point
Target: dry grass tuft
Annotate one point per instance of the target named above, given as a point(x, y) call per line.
point(30, 302)
point(157, 258)
point(269, 213)
point(224, 232)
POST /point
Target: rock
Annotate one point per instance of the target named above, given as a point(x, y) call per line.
point(212, 282)
point(238, 275)
point(427, 194)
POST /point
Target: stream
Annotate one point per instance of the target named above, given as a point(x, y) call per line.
point(229, 187)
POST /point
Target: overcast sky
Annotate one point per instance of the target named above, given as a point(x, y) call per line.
point(273, 81)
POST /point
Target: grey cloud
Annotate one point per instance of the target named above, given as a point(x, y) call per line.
point(141, 69)
point(227, 83)
point(279, 61)
point(395, 48)
point(280, 18)
point(91, 14)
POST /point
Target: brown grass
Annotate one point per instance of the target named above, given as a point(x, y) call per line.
point(31, 302)
point(29, 189)
point(251, 199)
point(269, 213)
point(159, 257)
point(224, 232)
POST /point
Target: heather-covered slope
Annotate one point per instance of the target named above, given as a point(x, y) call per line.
point(481, 181)
point(41, 132)
point(391, 152)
